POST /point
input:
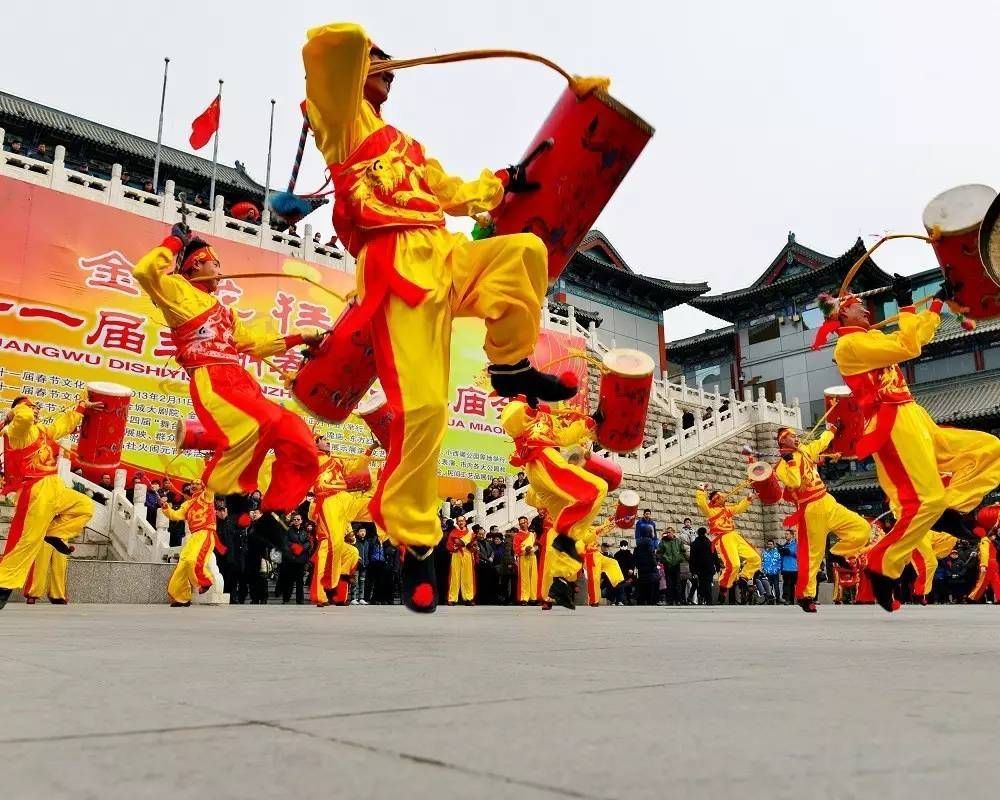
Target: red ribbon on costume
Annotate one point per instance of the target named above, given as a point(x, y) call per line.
point(828, 327)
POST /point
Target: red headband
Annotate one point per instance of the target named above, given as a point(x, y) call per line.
point(832, 323)
point(199, 256)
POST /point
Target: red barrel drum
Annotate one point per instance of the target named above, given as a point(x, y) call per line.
point(103, 432)
point(584, 149)
point(375, 412)
point(605, 469)
point(623, 399)
point(844, 412)
point(765, 483)
point(956, 216)
point(628, 509)
point(333, 380)
point(190, 434)
point(988, 517)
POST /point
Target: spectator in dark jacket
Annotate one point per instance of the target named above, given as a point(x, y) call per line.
point(363, 544)
point(625, 559)
point(486, 569)
point(702, 561)
point(647, 576)
point(376, 565)
point(152, 502)
point(385, 591)
point(503, 560)
point(295, 552)
point(671, 554)
point(645, 528)
point(258, 563)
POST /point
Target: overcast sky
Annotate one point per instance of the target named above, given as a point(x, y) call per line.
point(830, 119)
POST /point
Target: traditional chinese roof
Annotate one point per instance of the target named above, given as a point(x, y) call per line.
point(963, 399)
point(700, 341)
point(579, 314)
point(27, 112)
point(859, 482)
point(795, 270)
point(598, 266)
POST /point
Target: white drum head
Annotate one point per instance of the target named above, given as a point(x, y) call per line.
point(110, 389)
point(960, 209)
point(838, 392)
point(371, 402)
point(759, 471)
point(633, 363)
point(629, 498)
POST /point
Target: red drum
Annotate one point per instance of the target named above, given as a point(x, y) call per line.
point(584, 149)
point(360, 481)
point(765, 483)
point(957, 215)
point(332, 381)
point(377, 415)
point(988, 517)
point(846, 414)
point(605, 469)
point(103, 432)
point(628, 509)
point(191, 435)
point(623, 399)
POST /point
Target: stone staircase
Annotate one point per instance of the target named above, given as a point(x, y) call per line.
point(92, 545)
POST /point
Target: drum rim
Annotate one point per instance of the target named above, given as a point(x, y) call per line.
point(829, 391)
point(641, 353)
point(122, 393)
point(362, 409)
point(988, 229)
point(628, 492)
point(763, 464)
point(617, 105)
point(967, 229)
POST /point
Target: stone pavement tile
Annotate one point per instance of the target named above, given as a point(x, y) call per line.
point(233, 763)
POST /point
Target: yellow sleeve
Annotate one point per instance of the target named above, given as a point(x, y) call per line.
point(788, 472)
point(260, 340)
point(336, 59)
point(514, 418)
point(740, 507)
point(860, 352)
point(573, 433)
point(819, 445)
point(175, 297)
point(179, 514)
point(463, 198)
point(701, 500)
point(357, 464)
point(984, 553)
point(64, 424)
point(21, 429)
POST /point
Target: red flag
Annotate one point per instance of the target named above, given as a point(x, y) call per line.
point(206, 124)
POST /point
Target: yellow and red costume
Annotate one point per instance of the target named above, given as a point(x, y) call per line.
point(727, 541)
point(989, 575)
point(192, 569)
point(910, 450)
point(333, 510)
point(209, 339)
point(414, 277)
point(45, 505)
point(462, 576)
point(933, 546)
point(817, 514)
point(596, 565)
point(47, 576)
point(526, 577)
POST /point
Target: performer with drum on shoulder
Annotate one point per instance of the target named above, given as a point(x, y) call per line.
point(910, 449)
point(192, 570)
point(727, 541)
point(46, 509)
point(415, 277)
point(816, 512)
point(209, 338)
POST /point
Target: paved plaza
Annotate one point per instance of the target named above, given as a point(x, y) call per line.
point(285, 701)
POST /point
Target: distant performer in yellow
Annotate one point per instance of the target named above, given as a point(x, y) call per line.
point(728, 542)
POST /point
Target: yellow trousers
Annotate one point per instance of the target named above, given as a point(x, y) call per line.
point(462, 577)
point(555, 564)
point(598, 565)
point(527, 578)
point(925, 557)
point(734, 549)
point(47, 507)
point(818, 519)
point(191, 571)
point(333, 516)
point(909, 467)
point(571, 496)
point(47, 576)
point(502, 281)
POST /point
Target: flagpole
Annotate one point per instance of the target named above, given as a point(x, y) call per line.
point(267, 176)
point(159, 130)
point(215, 152)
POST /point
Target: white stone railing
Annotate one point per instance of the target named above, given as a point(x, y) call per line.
point(58, 176)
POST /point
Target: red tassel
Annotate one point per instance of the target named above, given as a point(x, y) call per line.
point(824, 332)
point(569, 380)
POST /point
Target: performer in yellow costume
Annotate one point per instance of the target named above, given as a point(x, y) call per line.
point(598, 565)
point(910, 450)
point(726, 540)
point(335, 506)
point(46, 509)
point(570, 495)
point(989, 575)
point(462, 575)
point(47, 577)
point(198, 511)
point(209, 339)
point(415, 277)
point(933, 546)
point(817, 514)
point(525, 563)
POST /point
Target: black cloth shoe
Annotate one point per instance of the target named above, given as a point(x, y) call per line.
point(807, 604)
point(510, 380)
point(417, 579)
point(884, 589)
point(270, 527)
point(5, 596)
point(561, 593)
point(840, 561)
point(59, 545)
point(954, 522)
